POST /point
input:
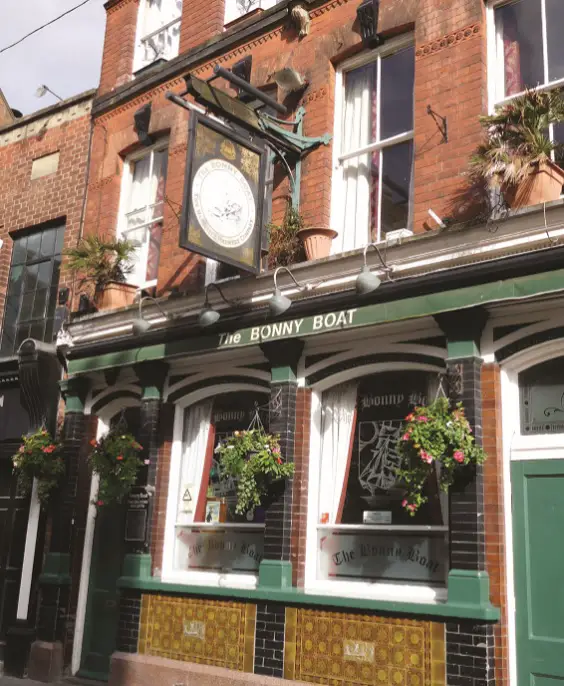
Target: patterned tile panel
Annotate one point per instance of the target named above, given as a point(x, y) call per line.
point(210, 632)
point(339, 649)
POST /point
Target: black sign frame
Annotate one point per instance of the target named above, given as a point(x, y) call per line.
point(192, 235)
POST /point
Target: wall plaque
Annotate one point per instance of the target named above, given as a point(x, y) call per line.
point(136, 516)
point(222, 212)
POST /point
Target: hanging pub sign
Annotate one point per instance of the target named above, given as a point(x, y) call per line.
point(222, 212)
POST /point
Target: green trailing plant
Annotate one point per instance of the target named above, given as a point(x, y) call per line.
point(253, 459)
point(98, 261)
point(435, 436)
point(39, 457)
point(115, 458)
point(285, 247)
point(517, 138)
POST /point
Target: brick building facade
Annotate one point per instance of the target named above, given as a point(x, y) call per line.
point(329, 579)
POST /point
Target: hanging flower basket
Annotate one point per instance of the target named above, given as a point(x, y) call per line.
point(435, 436)
point(253, 459)
point(115, 458)
point(39, 457)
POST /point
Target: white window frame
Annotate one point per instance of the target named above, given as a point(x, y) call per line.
point(390, 47)
point(141, 39)
point(125, 191)
point(496, 70)
point(168, 573)
point(421, 593)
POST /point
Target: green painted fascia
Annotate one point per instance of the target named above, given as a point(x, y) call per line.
point(275, 574)
point(282, 374)
point(297, 596)
point(468, 587)
point(462, 349)
point(396, 310)
point(137, 566)
point(56, 570)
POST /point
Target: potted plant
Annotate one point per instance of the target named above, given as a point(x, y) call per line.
point(253, 459)
point(103, 265)
point(285, 247)
point(517, 153)
point(115, 458)
point(39, 457)
point(317, 241)
point(435, 436)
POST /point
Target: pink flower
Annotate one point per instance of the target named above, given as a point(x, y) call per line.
point(409, 417)
point(100, 502)
point(458, 456)
point(49, 448)
point(276, 449)
point(404, 502)
point(146, 461)
point(412, 508)
point(422, 418)
point(426, 457)
point(405, 437)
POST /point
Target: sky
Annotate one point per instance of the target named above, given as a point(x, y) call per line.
point(65, 56)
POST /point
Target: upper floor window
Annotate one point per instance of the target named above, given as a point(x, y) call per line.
point(32, 288)
point(141, 221)
point(238, 8)
point(158, 31)
point(373, 147)
point(529, 50)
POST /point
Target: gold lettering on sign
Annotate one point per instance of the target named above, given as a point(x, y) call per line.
point(359, 651)
point(195, 629)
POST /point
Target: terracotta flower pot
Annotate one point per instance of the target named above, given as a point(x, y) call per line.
point(542, 185)
point(317, 241)
point(116, 295)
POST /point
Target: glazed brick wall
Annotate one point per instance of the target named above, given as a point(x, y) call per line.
point(301, 481)
point(25, 203)
point(119, 44)
point(450, 76)
point(161, 488)
point(494, 511)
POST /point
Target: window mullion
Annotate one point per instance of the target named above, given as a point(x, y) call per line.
point(544, 41)
point(379, 218)
point(149, 205)
point(380, 154)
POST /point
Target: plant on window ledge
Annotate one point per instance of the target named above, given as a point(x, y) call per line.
point(39, 457)
point(285, 247)
point(435, 436)
point(103, 265)
point(253, 459)
point(115, 458)
point(517, 153)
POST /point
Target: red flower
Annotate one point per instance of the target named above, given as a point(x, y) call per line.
point(409, 417)
point(119, 457)
point(279, 460)
point(93, 442)
point(422, 418)
point(49, 448)
point(100, 502)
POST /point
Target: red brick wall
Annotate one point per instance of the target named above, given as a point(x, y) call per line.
point(119, 44)
point(25, 203)
point(201, 20)
point(494, 509)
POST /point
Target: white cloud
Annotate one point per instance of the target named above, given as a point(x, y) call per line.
point(65, 56)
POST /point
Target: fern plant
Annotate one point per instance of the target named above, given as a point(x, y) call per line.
point(98, 261)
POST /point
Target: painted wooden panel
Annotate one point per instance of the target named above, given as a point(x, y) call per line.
point(361, 650)
point(211, 632)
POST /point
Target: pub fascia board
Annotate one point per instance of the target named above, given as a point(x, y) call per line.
point(522, 232)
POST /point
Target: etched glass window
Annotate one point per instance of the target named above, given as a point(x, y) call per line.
point(541, 395)
point(364, 531)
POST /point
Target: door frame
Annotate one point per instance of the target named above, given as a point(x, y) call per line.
point(105, 417)
point(518, 447)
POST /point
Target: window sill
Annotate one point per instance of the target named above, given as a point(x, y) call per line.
point(297, 596)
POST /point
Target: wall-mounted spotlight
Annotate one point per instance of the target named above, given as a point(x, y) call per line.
point(289, 80)
point(367, 281)
point(279, 303)
point(208, 316)
point(140, 325)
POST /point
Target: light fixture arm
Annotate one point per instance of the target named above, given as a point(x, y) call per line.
point(218, 289)
point(279, 269)
point(150, 297)
point(385, 265)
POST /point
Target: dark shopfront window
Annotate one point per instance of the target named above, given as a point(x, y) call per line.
point(210, 536)
point(364, 533)
point(32, 288)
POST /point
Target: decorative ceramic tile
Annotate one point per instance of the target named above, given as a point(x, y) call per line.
point(359, 650)
point(210, 632)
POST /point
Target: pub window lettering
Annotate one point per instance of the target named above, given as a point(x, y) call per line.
point(373, 177)
point(363, 531)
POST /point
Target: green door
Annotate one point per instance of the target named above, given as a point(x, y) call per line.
point(538, 549)
point(102, 616)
